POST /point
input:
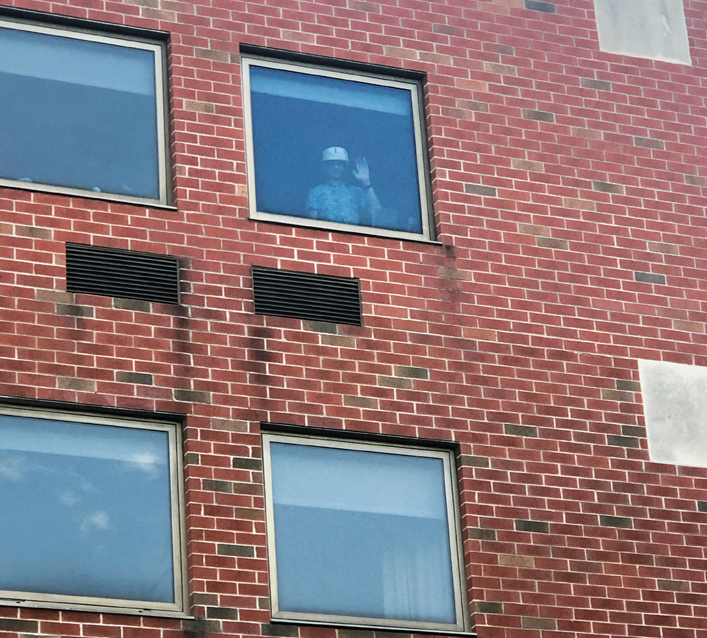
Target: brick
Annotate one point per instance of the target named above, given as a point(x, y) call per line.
point(73, 383)
point(15, 625)
point(666, 249)
point(622, 441)
point(539, 116)
point(72, 310)
point(695, 180)
point(591, 83)
point(321, 326)
point(533, 229)
point(34, 231)
point(480, 534)
point(646, 142)
point(528, 165)
point(616, 395)
point(279, 630)
point(514, 560)
point(411, 372)
point(633, 430)
point(192, 396)
point(229, 424)
point(361, 402)
point(530, 622)
point(673, 585)
point(545, 7)
point(702, 506)
point(141, 378)
point(226, 549)
point(467, 460)
point(541, 527)
point(132, 304)
point(224, 613)
point(478, 189)
point(607, 187)
point(649, 277)
point(616, 521)
point(199, 107)
point(501, 69)
point(520, 430)
point(552, 242)
point(395, 382)
point(488, 607)
point(247, 464)
point(217, 486)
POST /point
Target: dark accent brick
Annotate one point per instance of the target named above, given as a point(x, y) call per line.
point(246, 463)
point(520, 430)
point(647, 142)
point(478, 189)
point(541, 527)
point(591, 83)
point(649, 277)
point(474, 461)
point(411, 372)
point(226, 549)
point(192, 458)
point(616, 521)
point(551, 242)
point(201, 626)
point(488, 607)
point(72, 310)
point(628, 385)
point(622, 441)
point(355, 633)
point(538, 116)
point(696, 180)
point(192, 396)
point(279, 630)
point(617, 395)
point(15, 625)
point(225, 613)
point(702, 506)
point(673, 585)
point(141, 378)
point(531, 622)
point(480, 534)
point(545, 7)
point(322, 326)
point(132, 304)
point(607, 187)
point(633, 430)
point(217, 486)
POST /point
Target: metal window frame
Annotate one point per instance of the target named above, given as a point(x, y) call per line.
point(176, 479)
point(421, 151)
point(159, 49)
point(453, 523)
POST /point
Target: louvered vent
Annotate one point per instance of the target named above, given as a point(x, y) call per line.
point(286, 293)
point(128, 274)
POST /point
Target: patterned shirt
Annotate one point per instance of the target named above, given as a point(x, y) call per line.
point(338, 202)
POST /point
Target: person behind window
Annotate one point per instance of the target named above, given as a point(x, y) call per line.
point(339, 201)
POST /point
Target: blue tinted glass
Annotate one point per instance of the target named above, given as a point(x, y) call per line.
point(78, 114)
point(296, 117)
point(86, 510)
point(361, 534)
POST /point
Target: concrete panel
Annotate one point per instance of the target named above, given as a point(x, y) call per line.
point(675, 405)
point(644, 28)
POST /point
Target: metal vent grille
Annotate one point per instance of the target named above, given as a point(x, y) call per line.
point(286, 293)
point(127, 274)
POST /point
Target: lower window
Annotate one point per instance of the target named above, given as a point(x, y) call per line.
point(363, 534)
point(91, 513)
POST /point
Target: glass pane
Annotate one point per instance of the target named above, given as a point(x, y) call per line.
point(296, 117)
point(86, 510)
point(361, 534)
point(78, 114)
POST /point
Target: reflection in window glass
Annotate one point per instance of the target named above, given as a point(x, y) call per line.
point(78, 114)
point(335, 150)
point(362, 534)
point(86, 510)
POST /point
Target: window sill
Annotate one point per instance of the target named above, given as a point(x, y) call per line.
point(372, 628)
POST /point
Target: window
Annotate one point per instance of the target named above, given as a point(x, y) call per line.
point(91, 513)
point(363, 534)
point(335, 149)
point(82, 113)
point(643, 28)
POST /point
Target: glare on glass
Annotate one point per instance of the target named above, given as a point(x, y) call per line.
point(86, 510)
point(78, 114)
point(361, 534)
point(304, 122)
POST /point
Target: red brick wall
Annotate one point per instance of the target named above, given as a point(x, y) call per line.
point(559, 173)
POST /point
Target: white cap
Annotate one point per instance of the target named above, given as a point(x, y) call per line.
point(335, 153)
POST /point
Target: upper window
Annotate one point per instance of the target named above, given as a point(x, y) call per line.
point(82, 113)
point(336, 150)
point(363, 533)
point(644, 28)
point(91, 513)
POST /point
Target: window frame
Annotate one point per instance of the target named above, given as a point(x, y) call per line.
point(178, 530)
point(459, 583)
point(159, 48)
point(381, 79)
